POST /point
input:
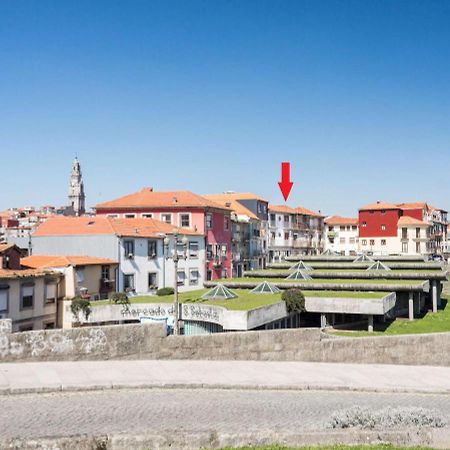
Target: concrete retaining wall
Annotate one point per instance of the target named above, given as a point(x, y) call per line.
point(148, 341)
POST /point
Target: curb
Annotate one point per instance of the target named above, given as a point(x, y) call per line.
point(169, 386)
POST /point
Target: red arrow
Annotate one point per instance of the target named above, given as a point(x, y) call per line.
point(285, 183)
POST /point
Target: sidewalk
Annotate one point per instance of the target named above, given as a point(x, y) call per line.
point(87, 375)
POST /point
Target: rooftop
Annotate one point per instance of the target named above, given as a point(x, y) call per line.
point(48, 261)
point(148, 198)
point(230, 203)
point(101, 225)
point(338, 220)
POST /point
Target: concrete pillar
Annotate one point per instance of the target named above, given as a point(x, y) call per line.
point(370, 325)
point(411, 306)
point(418, 308)
point(333, 318)
point(323, 320)
point(439, 292)
point(434, 295)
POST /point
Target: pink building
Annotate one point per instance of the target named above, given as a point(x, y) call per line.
point(186, 210)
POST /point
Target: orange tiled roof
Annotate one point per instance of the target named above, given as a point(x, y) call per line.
point(406, 220)
point(100, 225)
point(338, 220)
point(230, 203)
point(379, 205)
point(48, 261)
point(282, 209)
point(307, 212)
point(25, 273)
point(148, 198)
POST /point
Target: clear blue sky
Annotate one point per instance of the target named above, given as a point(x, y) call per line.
point(213, 95)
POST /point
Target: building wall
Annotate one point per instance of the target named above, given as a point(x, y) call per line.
point(375, 220)
point(42, 314)
point(342, 239)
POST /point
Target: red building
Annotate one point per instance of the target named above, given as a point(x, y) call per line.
point(186, 210)
point(381, 228)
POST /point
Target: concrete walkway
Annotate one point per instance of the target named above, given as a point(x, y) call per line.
point(88, 375)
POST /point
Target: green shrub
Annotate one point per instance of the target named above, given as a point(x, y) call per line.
point(120, 298)
point(80, 305)
point(165, 291)
point(295, 300)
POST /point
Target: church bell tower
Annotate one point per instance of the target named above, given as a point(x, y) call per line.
point(76, 190)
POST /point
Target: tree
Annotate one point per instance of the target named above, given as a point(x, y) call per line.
point(80, 305)
point(294, 299)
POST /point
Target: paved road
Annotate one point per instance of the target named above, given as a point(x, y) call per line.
point(21, 377)
point(198, 410)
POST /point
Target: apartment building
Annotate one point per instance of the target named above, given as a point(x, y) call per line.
point(186, 210)
point(85, 276)
point(248, 230)
point(294, 231)
point(341, 235)
point(137, 245)
point(404, 228)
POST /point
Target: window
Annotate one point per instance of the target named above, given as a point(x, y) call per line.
point(352, 240)
point(208, 219)
point(224, 273)
point(128, 247)
point(208, 275)
point(27, 297)
point(383, 241)
point(364, 224)
point(181, 277)
point(286, 236)
point(152, 251)
point(223, 250)
point(166, 218)
point(383, 227)
point(185, 220)
point(342, 240)
point(272, 217)
point(383, 212)
point(106, 273)
point(364, 242)
point(286, 219)
point(128, 281)
point(330, 228)
point(112, 216)
point(79, 274)
point(209, 251)
point(147, 216)
point(194, 275)
point(404, 233)
point(193, 250)
point(404, 247)
point(152, 281)
point(354, 227)
point(226, 224)
point(26, 327)
point(342, 228)
point(130, 216)
point(417, 235)
point(50, 293)
point(372, 242)
point(272, 234)
point(417, 247)
point(49, 325)
point(3, 300)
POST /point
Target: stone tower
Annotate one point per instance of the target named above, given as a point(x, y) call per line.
point(76, 190)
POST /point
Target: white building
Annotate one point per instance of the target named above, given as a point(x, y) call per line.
point(137, 245)
point(341, 235)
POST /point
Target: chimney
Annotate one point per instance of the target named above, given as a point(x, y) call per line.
point(148, 188)
point(174, 200)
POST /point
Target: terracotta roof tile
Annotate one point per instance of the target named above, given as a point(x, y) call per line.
point(231, 204)
point(338, 220)
point(101, 225)
point(25, 273)
point(238, 196)
point(307, 212)
point(378, 206)
point(48, 261)
point(406, 220)
point(147, 198)
point(282, 209)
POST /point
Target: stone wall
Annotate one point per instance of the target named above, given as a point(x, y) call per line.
point(149, 341)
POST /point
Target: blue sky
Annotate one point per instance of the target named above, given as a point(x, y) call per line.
point(213, 95)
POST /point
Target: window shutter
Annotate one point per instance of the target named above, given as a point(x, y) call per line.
point(3, 300)
point(51, 291)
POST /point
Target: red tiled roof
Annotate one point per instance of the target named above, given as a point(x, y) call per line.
point(338, 220)
point(406, 220)
point(25, 273)
point(147, 198)
point(282, 209)
point(307, 212)
point(238, 196)
point(379, 205)
point(100, 225)
point(48, 261)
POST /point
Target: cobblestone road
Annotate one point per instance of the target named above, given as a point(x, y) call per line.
point(152, 410)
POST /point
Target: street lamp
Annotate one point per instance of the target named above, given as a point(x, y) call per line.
point(175, 256)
